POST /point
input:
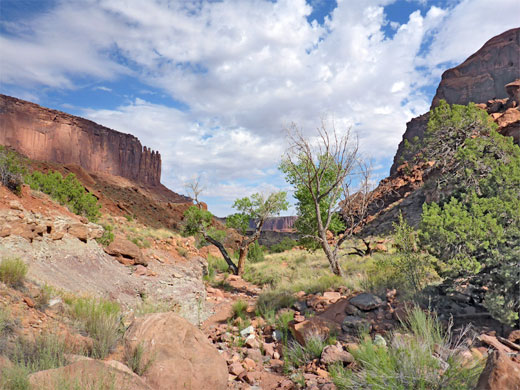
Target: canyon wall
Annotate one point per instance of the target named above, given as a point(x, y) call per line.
point(49, 135)
point(480, 78)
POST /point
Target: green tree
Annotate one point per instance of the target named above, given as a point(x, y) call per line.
point(322, 171)
point(475, 231)
point(12, 169)
point(257, 207)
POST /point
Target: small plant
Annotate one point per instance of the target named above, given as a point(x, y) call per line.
point(46, 352)
point(182, 251)
point(284, 245)
point(148, 307)
point(13, 271)
point(135, 360)
point(14, 378)
point(297, 355)
point(12, 169)
point(255, 252)
point(100, 319)
point(129, 218)
point(239, 309)
point(43, 298)
point(108, 235)
point(282, 324)
point(274, 300)
point(421, 356)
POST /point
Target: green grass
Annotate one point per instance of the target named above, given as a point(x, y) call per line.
point(148, 307)
point(135, 360)
point(101, 320)
point(15, 378)
point(411, 360)
point(47, 351)
point(239, 309)
point(297, 355)
point(13, 272)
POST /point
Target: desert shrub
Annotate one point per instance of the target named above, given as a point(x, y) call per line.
point(13, 271)
point(183, 252)
point(475, 232)
point(420, 356)
point(108, 235)
point(67, 191)
point(274, 300)
point(14, 378)
point(282, 324)
point(135, 360)
point(239, 309)
point(284, 245)
point(44, 296)
point(147, 307)
point(47, 351)
point(319, 285)
point(12, 169)
point(101, 320)
point(297, 355)
point(255, 252)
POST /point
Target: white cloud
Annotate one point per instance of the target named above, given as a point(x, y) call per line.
point(245, 69)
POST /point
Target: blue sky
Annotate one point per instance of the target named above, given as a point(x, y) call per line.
point(212, 84)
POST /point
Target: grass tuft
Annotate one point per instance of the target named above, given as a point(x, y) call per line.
point(13, 272)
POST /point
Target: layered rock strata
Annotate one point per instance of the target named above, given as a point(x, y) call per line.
point(49, 135)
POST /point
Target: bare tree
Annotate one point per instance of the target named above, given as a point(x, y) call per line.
point(324, 171)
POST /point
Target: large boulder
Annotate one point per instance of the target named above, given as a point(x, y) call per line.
point(181, 355)
point(500, 373)
point(366, 301)
point(88, 374)
point(125, 251)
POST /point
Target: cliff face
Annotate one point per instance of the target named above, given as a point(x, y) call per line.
point(50, 135)
point(480, 78)
point(483, 75)
point(277, 224)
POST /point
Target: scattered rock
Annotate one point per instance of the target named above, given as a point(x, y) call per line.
point(125, 251)
point(366, 301)
point(314, 326)
point(247, 331)
point(355, 324)
point(334, 353)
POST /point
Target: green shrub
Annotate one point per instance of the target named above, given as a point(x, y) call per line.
point(239, 309)
point(284, 245)
point(14, 378)
point(135, 360)
point(44, 296)
point(421, 356)
point(255, 252)
point(296, 355)
point(108, 235)
point(47, 351)
point(101, 320)
point(282, 324)
point(12, 169)
point(67, 191)
point(475, 232)
point(274, 300)
point(13, 271)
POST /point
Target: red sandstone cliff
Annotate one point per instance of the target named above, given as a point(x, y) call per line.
point(277, 224)
point(480, 78)
point(49, 135)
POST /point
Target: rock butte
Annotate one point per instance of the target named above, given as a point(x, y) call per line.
point(49, 135)
point(480, 78)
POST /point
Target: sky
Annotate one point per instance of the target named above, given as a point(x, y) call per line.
point(213, 84)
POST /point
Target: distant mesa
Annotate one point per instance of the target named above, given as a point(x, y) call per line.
point(277, 224)
point(49, 135)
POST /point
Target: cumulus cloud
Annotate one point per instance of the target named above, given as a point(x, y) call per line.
point(246, 69)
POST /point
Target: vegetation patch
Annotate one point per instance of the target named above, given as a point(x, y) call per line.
point(13, 271)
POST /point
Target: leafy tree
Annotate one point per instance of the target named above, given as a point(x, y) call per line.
point(475, 232)
point(321, 171)
point(12, 169)
point(257, 208)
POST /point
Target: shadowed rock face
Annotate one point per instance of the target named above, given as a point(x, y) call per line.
point(50, 135)
point(480, 78)
point(483, 75)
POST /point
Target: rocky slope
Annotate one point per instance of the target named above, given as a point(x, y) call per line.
point(480, 78)
point(50, 135)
